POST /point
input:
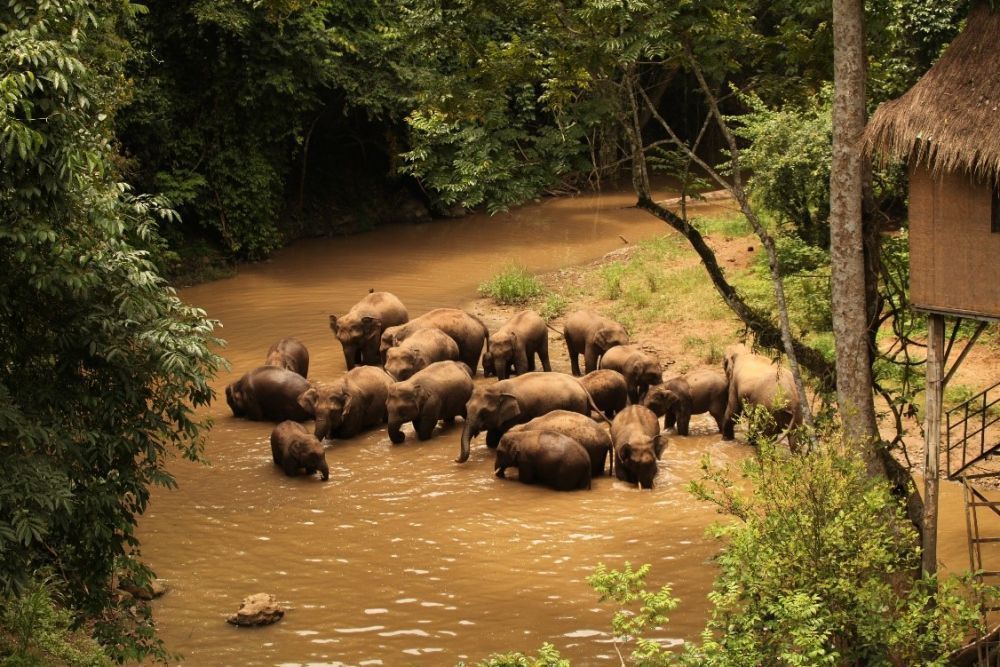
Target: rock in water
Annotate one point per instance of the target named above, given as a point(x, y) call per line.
point(154, 589)
point(257, 609)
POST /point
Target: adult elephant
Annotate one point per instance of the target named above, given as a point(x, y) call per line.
point(591, 335)
point(418, 352)
point(515, 345)
point(289, 353)
point(495, 408)
point(348, 406)
point(437, 392)
point(695, 392)
point(608, 389)
point(268, 393)
point(360, 330)
point(756, 380)
point(468, 332)
point(640, 369)
point(594, 438)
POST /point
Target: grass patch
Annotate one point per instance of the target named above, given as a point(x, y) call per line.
point(730, 225)
point(513, 285)
point(554, 306)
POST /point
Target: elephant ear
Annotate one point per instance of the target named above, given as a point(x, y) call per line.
point(372, 326)
point(333, 323)
point(307, 400)
point(348, 406)
point(660, 443)
point(420, 397)
point(625, 452)
point(509, 409)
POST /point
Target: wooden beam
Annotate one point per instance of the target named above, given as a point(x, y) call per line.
point(932, 440)
point(965, 351)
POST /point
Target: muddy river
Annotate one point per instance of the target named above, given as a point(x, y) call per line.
point(405, 557)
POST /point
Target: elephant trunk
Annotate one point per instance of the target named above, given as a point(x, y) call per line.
point(396, 434)
point(468, 433)
point(324, 470)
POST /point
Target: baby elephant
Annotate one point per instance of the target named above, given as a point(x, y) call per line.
point(418, 351)
point(608, 389)
point(439, 391)
point(289, 353)
point(638, 444)
point(544, 457)
point(690, 394)
point(591, 335)
point(515, 345)
point(640, 369)
point(581, 428)
point(294, 448)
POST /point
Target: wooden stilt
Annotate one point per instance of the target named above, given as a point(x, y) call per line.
point(932, 442)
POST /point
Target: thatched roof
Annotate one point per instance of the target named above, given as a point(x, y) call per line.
point(950, 119)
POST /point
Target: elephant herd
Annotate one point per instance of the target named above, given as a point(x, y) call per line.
point(550, 426)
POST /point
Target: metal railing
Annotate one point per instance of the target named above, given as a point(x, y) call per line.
point(969, 428)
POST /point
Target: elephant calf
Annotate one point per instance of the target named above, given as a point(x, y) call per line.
point(756, 380)
point(608, 389)
point(348, 406)
point(294, 448)
point(638, 445)
point(545, 457)
point(268, 393)
point(419, 351)
point(694, 393)
point(437, 392)
point(581, 428)
point(468, 332)
point(360, 330)
point(591, 335)
point(289, 353)
point(640, 369)
point(515, 345)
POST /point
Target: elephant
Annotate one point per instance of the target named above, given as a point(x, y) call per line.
point(640, 369)
point(289, 353)
point(515, 345)
point(293, 447)
point(387, 341)
point(591, 335)
point(756, 380)
point(468, 332)
point(608, 389)
point(268, 393)
point(693, 393)
point(439, 391)
point(638, 445)
point(348, 406)
point(544, 457)
point(360, 330)
point(496, 407)
point(419, 351)
point(581, 428)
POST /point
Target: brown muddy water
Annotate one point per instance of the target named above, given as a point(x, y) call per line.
point(405, 557)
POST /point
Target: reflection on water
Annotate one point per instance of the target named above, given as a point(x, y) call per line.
point(403, 556)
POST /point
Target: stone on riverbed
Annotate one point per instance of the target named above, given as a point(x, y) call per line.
point(257, 609)
point(154, 589)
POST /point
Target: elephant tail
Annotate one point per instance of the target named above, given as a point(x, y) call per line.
point(593, 405)
point(561, 334)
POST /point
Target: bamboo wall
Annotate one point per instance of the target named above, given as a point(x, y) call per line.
point(954, 254)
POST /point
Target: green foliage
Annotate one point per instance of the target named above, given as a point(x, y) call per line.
point(611, 277)
point(102, 367)
point(35, 631)
point(554, 306)
point(547, 656)
point(513, 285)
point(789, 152)
point(817, 568)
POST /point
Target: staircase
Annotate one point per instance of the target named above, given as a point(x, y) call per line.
point(973, 432)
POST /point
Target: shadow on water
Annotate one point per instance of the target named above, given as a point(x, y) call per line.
point(405, 557)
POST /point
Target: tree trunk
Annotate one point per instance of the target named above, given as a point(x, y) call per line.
point(847, 281)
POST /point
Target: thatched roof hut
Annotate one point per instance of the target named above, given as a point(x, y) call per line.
point(950, 120)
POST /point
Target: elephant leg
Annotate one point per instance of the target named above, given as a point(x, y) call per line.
point(729, 422)
point(290, 466)
point(493, 436)
point(543, 356)
point(683, 422)
point(633, 394)
point(425, 426)
point(574, 359)
point(669, 418)
point(526, 474)
point(591, 355)
point(719, 417)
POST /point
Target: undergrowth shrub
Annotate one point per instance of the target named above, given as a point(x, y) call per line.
point(554, 306)
point(513, 285)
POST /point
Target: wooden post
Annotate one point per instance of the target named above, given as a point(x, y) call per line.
point(932, 442)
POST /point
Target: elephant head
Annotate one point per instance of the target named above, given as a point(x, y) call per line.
point(488, 408)
point(236, 398)
point(401, 362)
point(729, 358)
point(507, 456)
point(405, 404)
point(387, 341)
point(660, 400)
point(505, 350)
point(488, 369)
point(608, 337)
point(317, 461)
point(331, 404)
point(644, 371)
point(640, 457)
point(355, 333)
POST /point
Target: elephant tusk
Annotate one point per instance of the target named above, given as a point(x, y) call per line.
point(638, 485)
